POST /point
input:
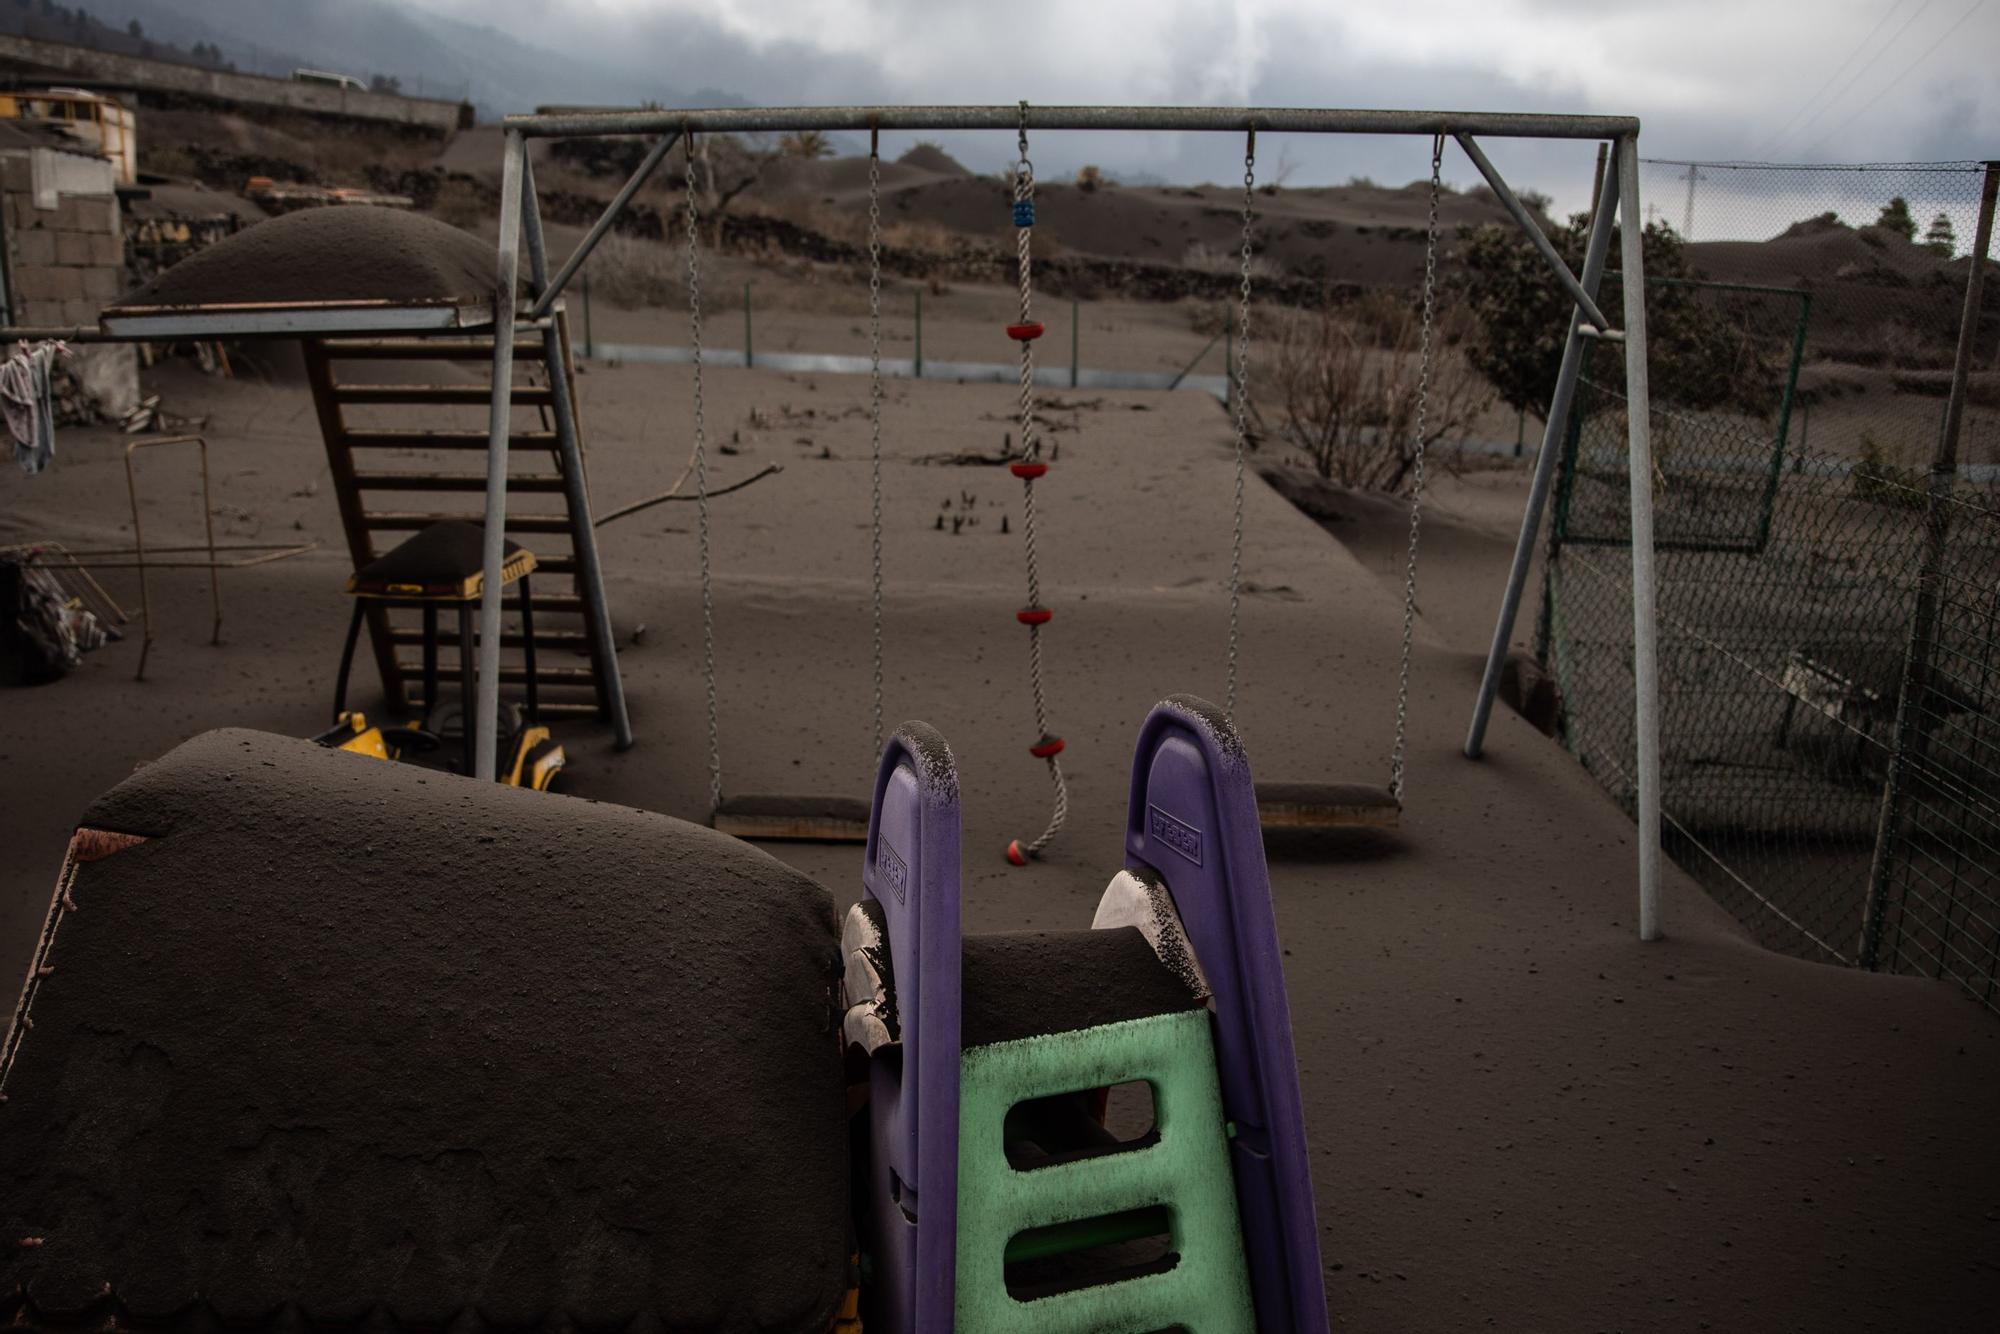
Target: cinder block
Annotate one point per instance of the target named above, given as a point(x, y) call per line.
point(106, 251)
point(40, 312)
point(84, 213)
point(36, 283)
point(65, 284)
point(73, 248)
point(79, 313)
point(34, 246)
point(101, 284)
point(15, 173)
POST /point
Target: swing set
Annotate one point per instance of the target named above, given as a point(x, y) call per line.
point(1290, 805)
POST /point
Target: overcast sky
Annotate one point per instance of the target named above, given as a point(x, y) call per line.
point(1789, 80)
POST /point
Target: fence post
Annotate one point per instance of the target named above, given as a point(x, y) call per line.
point(1074, 319)
point(589, 343)
point(1228, 365)
point(749, 360)
point(920, 334)
point(1915, 686)
point(1784, 425)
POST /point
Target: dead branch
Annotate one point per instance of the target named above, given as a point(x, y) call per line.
point(674, 494)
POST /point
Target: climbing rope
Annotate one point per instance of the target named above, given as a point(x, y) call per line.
point(1417, 477)
point(1240, 402)
point(1028, 467)
point(875, 414)
point(701, 485)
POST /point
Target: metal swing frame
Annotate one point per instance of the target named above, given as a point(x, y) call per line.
point(520, 211)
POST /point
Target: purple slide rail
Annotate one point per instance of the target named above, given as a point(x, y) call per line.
point(912, 871)
point(1192, 820)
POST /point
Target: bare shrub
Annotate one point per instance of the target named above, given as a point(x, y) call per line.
point(1347, 394)
point(1205, 258)
point(635, 274)
point(1089, 177)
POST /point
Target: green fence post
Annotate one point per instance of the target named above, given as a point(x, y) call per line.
point(1784, 426)
point(749, 359)
point(1073, 321)
point(1917, 668)
point(1228, 366)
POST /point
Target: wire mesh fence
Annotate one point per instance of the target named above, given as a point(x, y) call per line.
point(1829, 608)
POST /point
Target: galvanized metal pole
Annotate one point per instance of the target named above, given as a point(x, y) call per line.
point(1645, 629)
point(603, 225)
point(1602, 225)
point(1930, 577)
point(507, 275)
point(576, 491)
point(1012, 117)
point(1526, 222)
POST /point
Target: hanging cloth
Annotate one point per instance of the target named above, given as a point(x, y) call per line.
point(27, 399)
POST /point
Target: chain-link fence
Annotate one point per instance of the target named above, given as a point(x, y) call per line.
point(1829, 620)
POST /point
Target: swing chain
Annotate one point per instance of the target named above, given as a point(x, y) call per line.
point(1240, 401)
point(1417, 474)
point(701, 485)
point(875, 413)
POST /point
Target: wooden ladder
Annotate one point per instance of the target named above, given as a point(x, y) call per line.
point(362, 458)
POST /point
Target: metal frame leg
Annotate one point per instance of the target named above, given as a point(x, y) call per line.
point(347, 659)
point(465, 689)
point(482, 751)
point(528, 647)
point(1645, 628)
point(1574, 349)
point(430, 663)
point(576, 492)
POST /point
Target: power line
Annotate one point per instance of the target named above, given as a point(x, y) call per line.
point(1880, 51)
point(1977, 5)
point(1772, 141)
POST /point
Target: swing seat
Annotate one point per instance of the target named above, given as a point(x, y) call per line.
point(793, 819)
point(1326, 806)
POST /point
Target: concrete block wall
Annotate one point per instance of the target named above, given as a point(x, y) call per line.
point(66, 259)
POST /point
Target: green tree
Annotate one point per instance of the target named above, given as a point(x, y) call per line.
point(1896, 218)
point(1696, 360)
point(1940, 239)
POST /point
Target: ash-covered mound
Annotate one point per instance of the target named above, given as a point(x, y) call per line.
point(343, 253)
point(929, 157)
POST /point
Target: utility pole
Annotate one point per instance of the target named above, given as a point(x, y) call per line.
point(1687, 217)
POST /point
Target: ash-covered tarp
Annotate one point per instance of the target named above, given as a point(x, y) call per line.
point(344, 254)
point(341, 1036)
